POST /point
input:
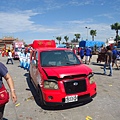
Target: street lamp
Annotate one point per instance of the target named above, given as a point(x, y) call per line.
point(87, 31)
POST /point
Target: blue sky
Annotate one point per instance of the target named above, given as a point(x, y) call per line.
point(46, 19)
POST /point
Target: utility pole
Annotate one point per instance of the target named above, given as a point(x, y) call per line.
point(87, 31)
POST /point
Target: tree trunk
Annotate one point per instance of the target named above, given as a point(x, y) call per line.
point(116, 36)
point(93, 38)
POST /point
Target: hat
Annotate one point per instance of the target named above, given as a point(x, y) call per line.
point(115, 46)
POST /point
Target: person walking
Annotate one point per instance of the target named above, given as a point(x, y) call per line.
point(9, 57)
point(108, 60)
point(87, 55)
point(4, 74)
point(115, 54)
point(21, 58)
point(82, 53)
point(27, 59)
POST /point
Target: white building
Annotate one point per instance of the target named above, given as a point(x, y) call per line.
point(110, 41)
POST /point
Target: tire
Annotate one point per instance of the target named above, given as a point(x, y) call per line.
point(30, 77)
point(40, 96)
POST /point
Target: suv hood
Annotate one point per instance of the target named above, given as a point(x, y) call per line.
point(63, 71)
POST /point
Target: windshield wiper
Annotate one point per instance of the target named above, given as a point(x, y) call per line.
point(69, 63)
point(48, 65)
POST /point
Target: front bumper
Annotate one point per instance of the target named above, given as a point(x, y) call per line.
point(81, 99)
point(85, 92)
point(58, 98)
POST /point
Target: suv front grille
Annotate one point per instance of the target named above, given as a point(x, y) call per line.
point(75, 86)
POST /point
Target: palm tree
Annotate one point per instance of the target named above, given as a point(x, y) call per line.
point(59, 39)
point(116, 27)
point(93, 33)
point(77, 37)
point(66, 38)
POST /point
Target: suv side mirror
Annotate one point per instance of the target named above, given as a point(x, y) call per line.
point(35, 63)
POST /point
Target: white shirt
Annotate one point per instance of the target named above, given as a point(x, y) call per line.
point(9, 55)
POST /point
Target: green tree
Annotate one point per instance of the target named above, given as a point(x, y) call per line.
point(59, 39)
point(77, 36)
point(116, 27)
point(93, 33)
point(66, 38)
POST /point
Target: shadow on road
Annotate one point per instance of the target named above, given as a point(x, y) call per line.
point(32, 89)
point(5, 119)
point(97, 73)
point(60, 107)
point(98, 64)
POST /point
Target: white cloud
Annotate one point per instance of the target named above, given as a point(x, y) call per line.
point(20, 22)
point(81, 2)
point(15, 22)
point(110, 16)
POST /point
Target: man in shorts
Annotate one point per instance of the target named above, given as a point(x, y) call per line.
point(82, 53)
point(88, 53)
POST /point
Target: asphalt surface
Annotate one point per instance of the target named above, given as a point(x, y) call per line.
point(105, 106)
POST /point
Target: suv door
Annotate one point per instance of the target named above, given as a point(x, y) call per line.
point(33, 66)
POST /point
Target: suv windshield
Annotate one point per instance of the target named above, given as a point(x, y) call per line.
point(58, 58)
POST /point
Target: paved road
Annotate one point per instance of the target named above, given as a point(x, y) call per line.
point(105, 106)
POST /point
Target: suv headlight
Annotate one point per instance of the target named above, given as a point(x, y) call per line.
point(91, 78)
point(48, 84)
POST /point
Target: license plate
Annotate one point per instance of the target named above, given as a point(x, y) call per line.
point(71, 98)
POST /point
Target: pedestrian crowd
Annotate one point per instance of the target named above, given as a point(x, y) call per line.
point(5, 51)
point(24, 58)
point(110, 56)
